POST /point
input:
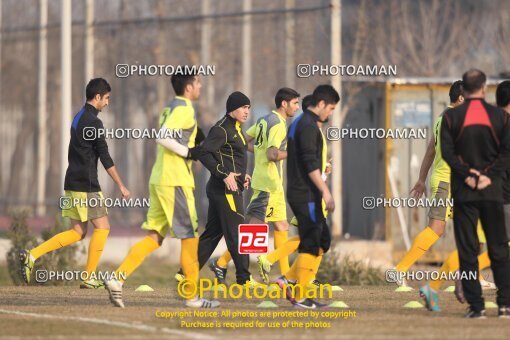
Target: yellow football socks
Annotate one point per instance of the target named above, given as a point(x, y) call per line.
point(317, 264)
point(96, 247)
point(483, 260)
point(135, 257)
point(280, 237)
point(288, 248)
point(452, 264)
point(189, 263)
point(421, 244)
point(305, 273)
point(56, 242)
point(292, 272)
point(224, 260)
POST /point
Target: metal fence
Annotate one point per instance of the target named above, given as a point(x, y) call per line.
point(255, 46)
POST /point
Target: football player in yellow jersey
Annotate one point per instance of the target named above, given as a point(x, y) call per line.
point(268, 204)
point(291, 245)
point(438, 215)
point(171, 186)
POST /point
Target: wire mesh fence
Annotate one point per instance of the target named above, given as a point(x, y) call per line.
point(426, 38)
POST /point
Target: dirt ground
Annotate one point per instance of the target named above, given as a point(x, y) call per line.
point(67, 311)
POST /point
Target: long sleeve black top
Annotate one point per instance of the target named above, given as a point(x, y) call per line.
point(84, 151)
point(224, 151)
point(476, 135)
point(305, 148)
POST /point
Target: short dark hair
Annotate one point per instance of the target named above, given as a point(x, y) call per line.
point(307, 101)
point(503, 94)
point(285, 94)
point(455, 91)
point(473, 80)
point(327, 93)
point(179, 82)
point(97, 86)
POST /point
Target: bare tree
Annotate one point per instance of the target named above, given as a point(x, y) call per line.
point(501, 38)
point(360, 47)
point(424, 38)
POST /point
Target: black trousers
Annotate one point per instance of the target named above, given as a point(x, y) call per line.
point(313, 230)
point(223, 219)
point(506, 207)
point(465, 219)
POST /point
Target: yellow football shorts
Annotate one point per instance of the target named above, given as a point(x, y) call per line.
point(441, 190)
point(172, 209)
point(268, 206)
point(83, 206)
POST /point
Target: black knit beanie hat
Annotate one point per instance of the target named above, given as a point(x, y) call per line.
point(236, 100)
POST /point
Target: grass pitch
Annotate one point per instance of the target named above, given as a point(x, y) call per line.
point(67, 311)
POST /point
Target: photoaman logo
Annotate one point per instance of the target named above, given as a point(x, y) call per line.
point(189, 289)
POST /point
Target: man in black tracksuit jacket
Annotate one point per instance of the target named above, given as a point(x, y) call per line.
point(475, 142)
point(224, 155)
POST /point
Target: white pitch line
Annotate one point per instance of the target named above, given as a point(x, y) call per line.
point(141, 327)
